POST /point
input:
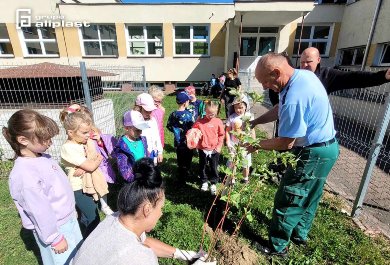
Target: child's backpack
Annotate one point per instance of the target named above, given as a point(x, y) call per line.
point(193, 136)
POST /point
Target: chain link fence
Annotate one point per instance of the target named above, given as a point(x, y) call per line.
point(48, 88)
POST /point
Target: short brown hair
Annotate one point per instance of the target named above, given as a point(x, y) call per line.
point(30, 124)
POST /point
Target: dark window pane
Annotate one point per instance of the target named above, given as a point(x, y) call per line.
point(107, 32)
point(155, 48)
point(269, 29)
point(386, 55)
point(90, 33)
point(137, 48)
point(30, 33)
point(200, 32)
point(3, 31)
point(359, 56)
point(48, 33)
point(6, 48)
point(321, 32)
point(250, 29)
point(201, 48)
point(183, 48)
point(34, 48)
point(182, 32)
point(304, 45)
point(136, 32)
point(154, 32)
point(347, 57)
point(321, 46)
point(248, 46)
point(92, 48)
point(51, 48)
point(305, 33)
point(266, 45)
point(110, 48)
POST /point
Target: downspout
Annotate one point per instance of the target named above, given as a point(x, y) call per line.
point(227, 25)
point(371, 34)
point(239, 44)
point(300, 39)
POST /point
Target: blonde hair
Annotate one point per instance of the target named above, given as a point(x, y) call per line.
point(30, 124)
point(156, 92)
point(71, 118)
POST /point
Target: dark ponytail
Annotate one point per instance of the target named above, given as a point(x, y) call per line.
point(147, 186)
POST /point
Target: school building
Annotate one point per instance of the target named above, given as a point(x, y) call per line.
point(187, 41)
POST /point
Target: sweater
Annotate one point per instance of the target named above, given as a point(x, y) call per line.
point(213, 133)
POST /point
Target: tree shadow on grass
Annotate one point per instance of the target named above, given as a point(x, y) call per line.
point(30, 244)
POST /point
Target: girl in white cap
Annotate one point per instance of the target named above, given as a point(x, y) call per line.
point(144, 103)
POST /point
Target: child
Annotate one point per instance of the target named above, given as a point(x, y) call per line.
point(196, 105)
point(81, 161)
point(210, 145)
point(40, 188)
point(235, 123)
point(131, 146)
point(158, 96)
point(179, 122)
point(104, 145)
point(145, 105)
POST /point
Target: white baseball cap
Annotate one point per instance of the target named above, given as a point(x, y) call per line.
point(135, 118)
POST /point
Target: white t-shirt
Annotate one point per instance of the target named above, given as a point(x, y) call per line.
point(232, 120)
point(152, 136)
point(112, 244)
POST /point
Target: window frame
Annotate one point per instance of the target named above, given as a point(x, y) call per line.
point(385, 48)
point(100, 40)
point(340, 57)
point(191, 40)
point(8, 40)
point(41, 42)
point(311, 39)
point(259, 35)
point(145, 40)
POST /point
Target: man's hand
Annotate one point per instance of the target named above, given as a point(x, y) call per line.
point(250, 149)
point(387, 75)
point(253, 123)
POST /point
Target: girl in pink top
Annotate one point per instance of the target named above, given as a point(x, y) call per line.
point(158, 96)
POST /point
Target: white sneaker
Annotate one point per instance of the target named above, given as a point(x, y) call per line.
point(205, 186)
point(213, 189)
point(107, 210)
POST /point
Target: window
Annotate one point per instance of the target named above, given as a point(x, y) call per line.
point(318, 36)
point(257, 41)
point(39, 42)
point(5, 44)
point(145, 40)
point(351, 56)
point(99, 40)
point(191, 40)
point(384, 59)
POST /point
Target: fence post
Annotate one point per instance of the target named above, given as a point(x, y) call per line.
point(373, 156)
point(84, 79)
point(144, 77)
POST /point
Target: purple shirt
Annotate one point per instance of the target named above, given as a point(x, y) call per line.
point(107, 152)
point(42, 195)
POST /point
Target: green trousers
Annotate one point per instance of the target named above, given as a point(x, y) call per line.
point(299, 194)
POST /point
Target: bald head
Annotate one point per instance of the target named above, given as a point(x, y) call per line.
point(310, 58)
point(273, 71)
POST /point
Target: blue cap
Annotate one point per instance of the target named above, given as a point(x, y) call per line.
point(182, 97)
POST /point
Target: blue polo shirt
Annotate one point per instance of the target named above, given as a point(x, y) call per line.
point(304, 110)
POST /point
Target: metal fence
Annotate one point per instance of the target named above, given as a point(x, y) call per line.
point(48, 88)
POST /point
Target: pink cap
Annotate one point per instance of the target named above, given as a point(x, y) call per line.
point(134, 118)
point(145, 101)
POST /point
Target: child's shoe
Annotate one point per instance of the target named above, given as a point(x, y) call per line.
point(205, 186)
point(107, 210)
point(213, 189)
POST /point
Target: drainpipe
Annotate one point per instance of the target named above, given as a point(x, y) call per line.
point(371, 34)
point(227, 25)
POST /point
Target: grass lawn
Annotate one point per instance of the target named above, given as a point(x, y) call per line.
point(333, 239)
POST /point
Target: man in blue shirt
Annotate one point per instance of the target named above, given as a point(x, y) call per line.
point(306, 127)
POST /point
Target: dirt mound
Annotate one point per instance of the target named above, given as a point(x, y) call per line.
point(233, 251)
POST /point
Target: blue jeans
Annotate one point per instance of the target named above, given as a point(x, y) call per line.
point(72, 234)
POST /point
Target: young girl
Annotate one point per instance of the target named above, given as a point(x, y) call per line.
point(40, 188)
point(145, 105)
point(210, 145)
point(131, 146)
point(237, 112)
point(158, 96)
point(81, 162)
